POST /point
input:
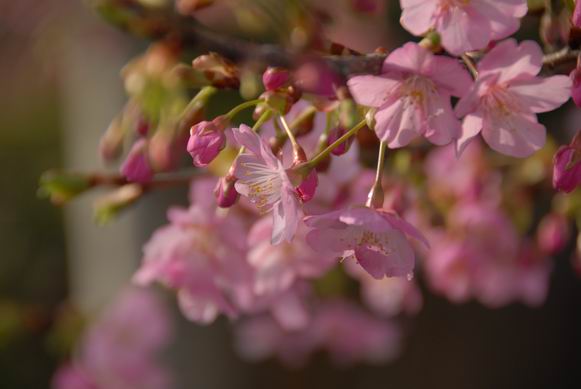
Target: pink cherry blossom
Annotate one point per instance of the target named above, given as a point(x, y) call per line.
point(263, 179)
point(463, 25)
point(206, 141)
point(375, 238)
point(388, 296)
point(412, 96)
point(506, 97)
point(201, 255)
point(277, 267)
point(576, 18)
point(136, 167)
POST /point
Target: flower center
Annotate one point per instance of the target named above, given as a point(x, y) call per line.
point(378, 242)
point(265, 186)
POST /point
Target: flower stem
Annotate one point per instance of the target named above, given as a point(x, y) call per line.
point(470, 65)
point(375, 197)
point(323, 154)
point(289, 133)
point(239, 108)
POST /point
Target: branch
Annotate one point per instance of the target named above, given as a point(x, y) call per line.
point(159, 23)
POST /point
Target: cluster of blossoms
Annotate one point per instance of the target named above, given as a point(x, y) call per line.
point(289, 225)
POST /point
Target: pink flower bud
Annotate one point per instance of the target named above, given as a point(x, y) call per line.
point(206, 141)
point(306, 190)
point(136, 167)
point(274, 78)
point(576, 90)
point(335, 134)
point(318, 78)
point(567, 166)
point(576, 18)
point(226, 195)
point(553, 233)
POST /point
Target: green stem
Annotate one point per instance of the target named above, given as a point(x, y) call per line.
point(375, 197)
point(239, 108)
point(289, 133)
point(323, 154)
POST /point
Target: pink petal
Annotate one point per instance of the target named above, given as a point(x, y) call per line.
point(290, 312)
point(329, 241)
point(443, 126)
point(514, 135)
point(371, 91)
point(405, 227)
point(463, 31)
point(418, 15)
point(542, 94)
point(408, 58)
point(448, 74)
point(471, 126)
point(511, 61)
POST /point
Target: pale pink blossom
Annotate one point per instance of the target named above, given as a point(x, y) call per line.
point(277, 267)
point(389, 296)
point(553, 233)
point(263, 179)
point(376, 238)
point(412, 96)
point(201, 255)
point(506, 97)
point(463, 25)
point(348, 334)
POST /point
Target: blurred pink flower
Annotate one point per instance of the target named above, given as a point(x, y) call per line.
point(553, 233)
point(349, 334)
point(375, 238)
point(206, 141)
point(263, 179)
point(506, 97)
point(463, 25)
point(576, 89)
point(136, 167)
point(119, 351)
point(201, 255)
point(274, 78)
point(388, 296)
point(412, 96)
point(576, 18)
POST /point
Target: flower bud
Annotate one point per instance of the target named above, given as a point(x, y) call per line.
point(553, 233)
point(567, 166)
point(306, 190)
point(335, 134)
point(206, 141)
point(218, 70)
point(226, 194)
point(277, 102)
point(136, 167)
point(274, 78)
point(576, 18)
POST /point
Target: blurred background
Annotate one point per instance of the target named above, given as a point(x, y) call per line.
point(60, 87)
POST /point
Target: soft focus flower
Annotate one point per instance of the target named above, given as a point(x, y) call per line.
point(553, 233)
point(119, 351)
point(263, 179)
point(375, 238)
point(412, 96)
point(463, 25)
point(206, 141)
point(345, 331)
point(389, 296)
point(136, 167)
point(567, 166)
point(507, 95)
point(201, 255)
point(576, 90)
point(277, 267)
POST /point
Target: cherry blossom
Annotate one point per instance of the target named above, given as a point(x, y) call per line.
point(506, 97)
point(412, 96)
point(464, 25)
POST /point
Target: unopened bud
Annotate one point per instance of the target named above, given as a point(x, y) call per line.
point(206, 141)
point(111, 143)
point(110, 205)
point(220, 71)
point(225, 192)
point(274, 78)
point(136, 167)
point(335, 134)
